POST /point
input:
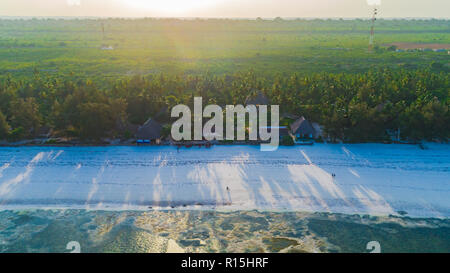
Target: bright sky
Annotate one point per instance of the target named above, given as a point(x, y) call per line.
point(225, 8)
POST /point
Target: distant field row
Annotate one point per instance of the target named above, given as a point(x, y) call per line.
point(115, 47)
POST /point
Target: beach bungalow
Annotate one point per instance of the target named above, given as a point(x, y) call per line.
point(259, 99)
point(302, 129)
point(150, 131)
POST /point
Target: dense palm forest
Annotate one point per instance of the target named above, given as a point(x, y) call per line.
point(351, 107)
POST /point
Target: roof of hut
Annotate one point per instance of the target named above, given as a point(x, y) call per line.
point(150, 130)
point(302, 126)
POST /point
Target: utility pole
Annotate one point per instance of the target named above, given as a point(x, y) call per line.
point(372, 29)
point(103, 33)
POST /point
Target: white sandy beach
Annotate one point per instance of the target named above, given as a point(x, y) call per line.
point(372, 179)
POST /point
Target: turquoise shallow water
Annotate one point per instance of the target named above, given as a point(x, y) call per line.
point(212, 231)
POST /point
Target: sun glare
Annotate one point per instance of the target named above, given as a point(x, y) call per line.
point(169, 7)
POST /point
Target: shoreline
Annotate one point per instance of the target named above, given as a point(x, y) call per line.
point(214, 144)
point(204, 208)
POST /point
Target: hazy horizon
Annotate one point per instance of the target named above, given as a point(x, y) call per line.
point(218, 18)
point(225, 8)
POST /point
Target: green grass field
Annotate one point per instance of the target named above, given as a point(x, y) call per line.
point(152, 46)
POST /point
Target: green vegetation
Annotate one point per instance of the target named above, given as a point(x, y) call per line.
point(4, 126)
point(55, 74)
point(73, 48)
point(287, 141)
point(352, 107)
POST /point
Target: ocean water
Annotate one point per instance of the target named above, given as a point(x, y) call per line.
point(38, 231)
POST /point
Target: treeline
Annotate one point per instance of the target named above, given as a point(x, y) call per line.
point(215, 24)
point(351, 107)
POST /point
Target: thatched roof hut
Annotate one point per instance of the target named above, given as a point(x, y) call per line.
point(151, 130)
point(259, 99)
point(302, 128)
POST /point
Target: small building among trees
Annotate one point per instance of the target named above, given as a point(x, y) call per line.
point(302, 129)
point(150, 131)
